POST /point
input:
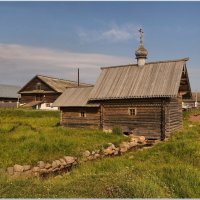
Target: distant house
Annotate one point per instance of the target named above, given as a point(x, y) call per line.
point(143, 98)
point(75, 109)
point(41, 91)
point(193, 102)
point(9, 96)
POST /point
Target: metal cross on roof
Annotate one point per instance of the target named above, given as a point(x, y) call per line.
point(141, 32)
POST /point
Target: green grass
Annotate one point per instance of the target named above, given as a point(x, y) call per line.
point(28, 136)
point(169, 169)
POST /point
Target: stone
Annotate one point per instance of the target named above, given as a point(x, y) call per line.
point(116, 152)
point(123, 150)
point(43, 171)
point(132, 144)
point(36, 169)
point(27, 167)
point(18, 168)
point(41, 164)
point(141, 139)
point(93, 152)
point(47, 166)
point(10, 170)
point(50, 170)
point(124, 146)
point(58, 163)
point(55, 169)
point(97, 151)
point(90, 158)
point(62, 161)
point(96, 156)
point(17, 174)
point(111, 146)
point(27, 173)
point(108, 151)
point(69, 159)
point(54, 165)
point(36, 174)
point(86, 153)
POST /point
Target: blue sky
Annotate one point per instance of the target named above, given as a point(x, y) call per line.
point(54, 38)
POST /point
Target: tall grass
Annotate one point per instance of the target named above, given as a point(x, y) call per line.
point(170, 169)
point(27, 136)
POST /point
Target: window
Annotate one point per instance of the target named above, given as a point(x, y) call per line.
point(82, 114)
point(38, 86)
point(48, 105)
point(132, 111)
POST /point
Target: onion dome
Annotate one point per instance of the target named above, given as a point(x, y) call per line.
point(141, 52)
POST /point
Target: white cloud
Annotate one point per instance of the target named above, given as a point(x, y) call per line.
point(114, 33)
point(19, 63)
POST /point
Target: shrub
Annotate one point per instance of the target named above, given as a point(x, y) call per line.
point(117, 130)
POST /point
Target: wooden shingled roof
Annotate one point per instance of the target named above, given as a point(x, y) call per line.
point(75, 97)
point(154, 79)
point(59, 85)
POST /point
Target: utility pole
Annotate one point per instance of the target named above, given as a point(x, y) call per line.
point(78, 77)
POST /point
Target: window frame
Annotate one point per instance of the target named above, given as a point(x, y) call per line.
point(82, 114)
point(132, 111)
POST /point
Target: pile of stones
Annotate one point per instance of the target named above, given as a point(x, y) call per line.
point(66, 163)
point(43, 169)
point(133, 142)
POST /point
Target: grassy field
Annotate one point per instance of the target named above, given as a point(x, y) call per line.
point(169, 169)
point(29, 136)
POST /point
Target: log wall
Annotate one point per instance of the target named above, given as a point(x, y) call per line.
point(173, 115)
point(146, 122)
point(155, 118)
point(49, 98)
point(71, 117)
point(32, 85)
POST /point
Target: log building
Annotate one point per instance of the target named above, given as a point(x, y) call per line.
point(143, 98)
point(75, 110)
point(9, 96)
point(41, 91)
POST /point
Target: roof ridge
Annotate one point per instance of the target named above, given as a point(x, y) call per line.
point(153, 62)
point(61, 79)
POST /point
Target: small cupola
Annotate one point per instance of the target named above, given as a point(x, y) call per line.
point(141, 53)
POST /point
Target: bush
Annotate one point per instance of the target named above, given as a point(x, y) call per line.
point(117, 130)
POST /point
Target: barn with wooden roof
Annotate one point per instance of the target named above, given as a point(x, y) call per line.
point(76, 111)
point(41, 91)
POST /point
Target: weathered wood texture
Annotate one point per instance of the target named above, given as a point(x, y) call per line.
point(147, 120)
point(32, 93)
point(33, 85)
point(155, 118)
point(49, 98)
point(71, 117)
point(173, 115)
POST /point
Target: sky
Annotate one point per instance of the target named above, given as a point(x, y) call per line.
point(56, 38)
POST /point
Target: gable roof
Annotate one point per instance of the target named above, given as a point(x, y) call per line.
point(74, 97)
point(154, 79)
point(58, 85)
point(9, 91)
